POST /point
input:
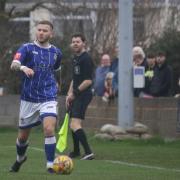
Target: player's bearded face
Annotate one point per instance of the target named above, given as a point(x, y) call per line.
point(43, 33)
point(77, 45)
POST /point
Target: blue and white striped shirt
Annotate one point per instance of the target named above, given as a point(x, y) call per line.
point(42, 86)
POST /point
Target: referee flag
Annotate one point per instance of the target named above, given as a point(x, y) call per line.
point(63, 133)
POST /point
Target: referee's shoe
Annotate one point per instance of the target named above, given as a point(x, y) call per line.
point(88, 157)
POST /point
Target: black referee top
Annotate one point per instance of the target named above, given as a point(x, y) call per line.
point(82, 70)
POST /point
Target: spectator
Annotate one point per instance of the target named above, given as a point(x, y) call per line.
point(114, 65)
point(114, 68)
point(149, 76)
point(100, 74)
point(108, 93)
point(162, 81)
point(115, 82)
point(138, 60)
point(139, 56)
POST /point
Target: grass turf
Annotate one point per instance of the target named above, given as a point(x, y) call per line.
point(152, 159)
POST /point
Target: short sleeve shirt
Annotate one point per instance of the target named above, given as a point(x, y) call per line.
point(42, 86)
point(82, 69)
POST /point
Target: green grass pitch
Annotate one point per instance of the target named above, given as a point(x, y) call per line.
point(152, 159)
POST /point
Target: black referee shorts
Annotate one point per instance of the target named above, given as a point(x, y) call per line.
point(79, 105)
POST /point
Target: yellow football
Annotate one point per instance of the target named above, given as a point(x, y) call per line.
point(63, 164)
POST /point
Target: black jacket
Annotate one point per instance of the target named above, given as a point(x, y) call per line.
point(161, 84)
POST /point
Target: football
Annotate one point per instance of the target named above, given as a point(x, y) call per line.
point(63, 164)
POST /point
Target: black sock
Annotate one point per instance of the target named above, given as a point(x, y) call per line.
point(21, 147)
point(82, 138)
point(75, 143)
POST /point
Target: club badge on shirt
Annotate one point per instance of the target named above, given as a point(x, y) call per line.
point(55, 57)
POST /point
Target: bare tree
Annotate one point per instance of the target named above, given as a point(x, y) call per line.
point(152, 18)
point(98, 21)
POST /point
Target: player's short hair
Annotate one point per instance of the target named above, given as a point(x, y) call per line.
point(46, 22)
point(80, 36)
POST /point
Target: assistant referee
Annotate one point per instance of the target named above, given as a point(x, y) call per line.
point(80, 95)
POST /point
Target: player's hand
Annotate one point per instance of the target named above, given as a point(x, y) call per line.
point(28, 71)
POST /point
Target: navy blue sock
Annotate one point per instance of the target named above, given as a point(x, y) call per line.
point(21, 147)
point(50, 147)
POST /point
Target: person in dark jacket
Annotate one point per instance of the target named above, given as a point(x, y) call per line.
point(149, 76)
point(161, 85)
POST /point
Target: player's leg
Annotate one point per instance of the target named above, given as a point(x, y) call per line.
point(21, 147)
point(28, 118)
point(48, 114)
point(49, 124)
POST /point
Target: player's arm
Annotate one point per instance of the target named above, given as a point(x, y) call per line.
point(57, 65)
point(17, 67)
point(16, 63)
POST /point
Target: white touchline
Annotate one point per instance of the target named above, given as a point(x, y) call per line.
point(118, 162)
point(38, 149)
point(33, 148)
point(142, 166)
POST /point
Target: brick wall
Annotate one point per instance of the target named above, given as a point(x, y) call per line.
point(9, 108)
point(161, 115)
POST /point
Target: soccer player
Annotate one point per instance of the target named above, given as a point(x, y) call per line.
point(79, 95)
point(37, 62)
